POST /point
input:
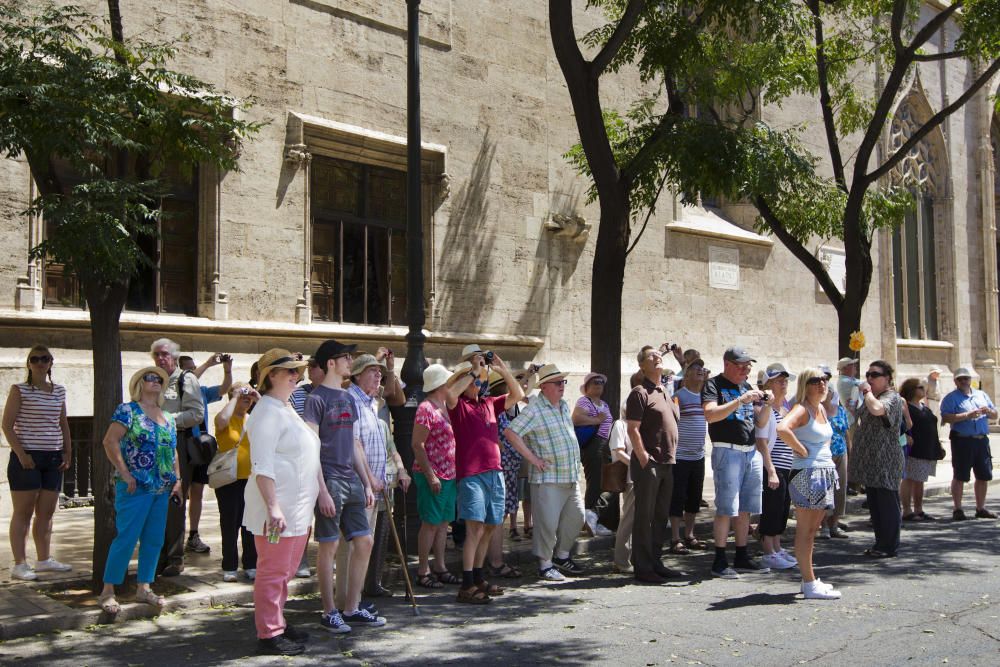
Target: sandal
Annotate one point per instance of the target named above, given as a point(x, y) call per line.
point(505, 571)
point(472, 596)
point(875, 553)
point(527, 531)
point(489, 589)
point(694, 543)
point(911, 516)
point(446, 577)
point(147, 596)
point(514, 535)
point(428, 581)
point(109, 604)
point(677, 547)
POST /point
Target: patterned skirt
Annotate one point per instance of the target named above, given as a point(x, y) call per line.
point(510, 461)
point(919, 470)
point(812, 488)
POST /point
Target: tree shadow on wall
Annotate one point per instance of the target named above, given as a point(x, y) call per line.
point(469, 240)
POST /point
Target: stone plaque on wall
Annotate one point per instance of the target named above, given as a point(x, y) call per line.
point(723, 267)
point(835, 262)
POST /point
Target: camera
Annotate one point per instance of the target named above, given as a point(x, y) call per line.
point(245, 391)
point(488, 358)
point(221, 358)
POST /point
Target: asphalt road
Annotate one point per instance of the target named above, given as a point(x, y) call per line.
point(935, 604)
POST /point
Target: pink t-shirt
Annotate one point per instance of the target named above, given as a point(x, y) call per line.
point(477, 444)
point(440, 442)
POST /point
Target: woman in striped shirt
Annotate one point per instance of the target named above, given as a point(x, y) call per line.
point(35, 425)
point(778, 457)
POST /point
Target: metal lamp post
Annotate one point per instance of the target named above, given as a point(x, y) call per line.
point(415, 363)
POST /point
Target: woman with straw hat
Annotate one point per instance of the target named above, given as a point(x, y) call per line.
point(280, 496)
point(434, 477)
point(141, 443)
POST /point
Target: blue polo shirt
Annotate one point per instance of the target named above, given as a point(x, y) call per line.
point(956, 403)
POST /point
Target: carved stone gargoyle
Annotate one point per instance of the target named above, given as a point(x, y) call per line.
point(573, 227)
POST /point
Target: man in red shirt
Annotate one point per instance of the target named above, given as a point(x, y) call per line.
point(477, 462)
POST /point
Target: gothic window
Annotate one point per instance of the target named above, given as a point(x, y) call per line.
point(913, 242)
point(358, 242)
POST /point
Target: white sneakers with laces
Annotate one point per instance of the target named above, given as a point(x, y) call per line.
point(52, 565)
point(776, 561)
point(817, 590)
point(23, 571)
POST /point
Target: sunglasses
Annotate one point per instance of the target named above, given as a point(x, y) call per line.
point(40, 359)
point(597, 381)
point(821, 380)
point(872, 374)
point(152, 377)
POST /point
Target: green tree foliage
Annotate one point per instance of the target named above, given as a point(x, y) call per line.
point(707, 67)
point(99, 120)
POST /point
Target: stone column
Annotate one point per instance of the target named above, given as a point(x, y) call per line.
point(299, 156)
point(987, 350)
point(28, 294)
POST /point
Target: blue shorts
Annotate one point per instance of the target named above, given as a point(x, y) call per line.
point(45, 476)
point(739, 480)
point(480, 497)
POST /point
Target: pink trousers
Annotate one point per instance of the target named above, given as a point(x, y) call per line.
point(276, 565)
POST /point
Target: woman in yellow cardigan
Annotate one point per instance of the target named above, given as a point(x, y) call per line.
point(229, 433)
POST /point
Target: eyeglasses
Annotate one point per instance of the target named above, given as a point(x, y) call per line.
point(558, 383)
point(821, 380)
point(40, 359)
point(152, 377)
point(872, 374)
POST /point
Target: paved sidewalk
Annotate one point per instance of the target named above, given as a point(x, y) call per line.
point(25, 610)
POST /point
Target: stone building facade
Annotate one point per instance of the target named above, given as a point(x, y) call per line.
point(306, 241)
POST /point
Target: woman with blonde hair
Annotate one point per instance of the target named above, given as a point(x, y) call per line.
point(813, 478)
point(141, 443)
point(35, 425)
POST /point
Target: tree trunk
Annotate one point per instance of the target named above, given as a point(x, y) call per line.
point(607, 283)
point(105, 304)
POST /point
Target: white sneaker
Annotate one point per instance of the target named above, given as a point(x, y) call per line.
point(776, 562)
point(601, 531)
point(251, 574)
point(590, 518)
point(818, 582)
point(229, 576)
point(787, 556)
point(551, 574)
point(303, 573)
point(23, 571)
point(52, 565)
point(817, 590)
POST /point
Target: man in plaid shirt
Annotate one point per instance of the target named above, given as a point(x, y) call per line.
point(543, 433)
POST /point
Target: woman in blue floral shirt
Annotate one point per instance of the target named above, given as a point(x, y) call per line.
point(141, 443)
point(838, 448)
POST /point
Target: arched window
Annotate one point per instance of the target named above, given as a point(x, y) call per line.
point(913, 243)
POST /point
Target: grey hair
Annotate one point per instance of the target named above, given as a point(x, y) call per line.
point(171, 346)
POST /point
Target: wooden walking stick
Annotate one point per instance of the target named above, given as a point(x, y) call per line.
point(402, 557)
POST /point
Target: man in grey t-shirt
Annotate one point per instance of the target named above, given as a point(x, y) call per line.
point(332, 414)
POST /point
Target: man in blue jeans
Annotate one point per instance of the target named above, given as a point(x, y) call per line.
point(732, 410)
point(968, 411)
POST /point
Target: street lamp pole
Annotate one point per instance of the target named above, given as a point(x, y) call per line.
point(415, 363)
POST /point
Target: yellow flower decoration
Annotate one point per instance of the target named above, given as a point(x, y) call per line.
point(857, 341)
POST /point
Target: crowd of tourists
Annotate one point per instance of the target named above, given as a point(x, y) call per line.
point(305, 448)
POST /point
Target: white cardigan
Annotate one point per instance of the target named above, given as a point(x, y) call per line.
point(283, 448)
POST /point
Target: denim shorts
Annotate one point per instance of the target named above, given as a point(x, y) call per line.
point(350, 520)
point(739, 480)
point(480, 497)
point(46, 474)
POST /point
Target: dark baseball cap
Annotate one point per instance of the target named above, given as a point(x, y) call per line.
point(331, 349)
point(737, 355)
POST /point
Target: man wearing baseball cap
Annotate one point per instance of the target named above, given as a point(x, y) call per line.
point(733, 410)
point(968, 411)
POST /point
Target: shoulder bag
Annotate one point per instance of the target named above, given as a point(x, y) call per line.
point(201, 449)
